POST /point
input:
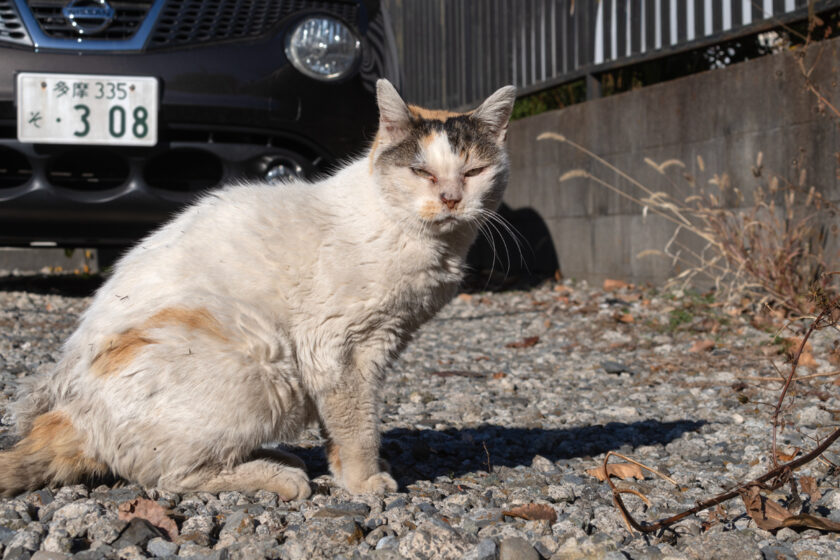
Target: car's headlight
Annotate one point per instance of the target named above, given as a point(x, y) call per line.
point(322, 47)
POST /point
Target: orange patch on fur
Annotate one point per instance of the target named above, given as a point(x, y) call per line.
point(334, 457)
point(121, 349)
point(427, 140)
point(192, 319)
point(429, 210)
point(53, 451)
point(432, 114)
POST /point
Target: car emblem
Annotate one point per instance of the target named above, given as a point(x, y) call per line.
point(88, 17)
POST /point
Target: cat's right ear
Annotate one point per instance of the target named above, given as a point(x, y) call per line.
point(394, 116)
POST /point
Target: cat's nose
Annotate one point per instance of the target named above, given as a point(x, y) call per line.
point(451, 201)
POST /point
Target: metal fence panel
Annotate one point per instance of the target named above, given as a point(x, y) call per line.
point(456, 52)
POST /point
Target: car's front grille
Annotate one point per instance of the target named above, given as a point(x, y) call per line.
point(186, 22)
point(88, 169)
point(184, 169)
point(15, 169)
point(11, 28)
point(128, 17)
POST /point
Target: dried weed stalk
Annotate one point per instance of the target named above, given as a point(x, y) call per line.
point(771, 251)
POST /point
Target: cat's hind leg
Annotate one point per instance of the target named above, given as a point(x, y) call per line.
point(289, 482)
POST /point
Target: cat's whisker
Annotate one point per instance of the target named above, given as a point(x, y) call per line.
point(514, 234)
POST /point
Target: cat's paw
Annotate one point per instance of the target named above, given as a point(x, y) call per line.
point(380, 483)
point(291, 484)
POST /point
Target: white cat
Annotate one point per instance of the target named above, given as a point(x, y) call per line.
point(262, 309)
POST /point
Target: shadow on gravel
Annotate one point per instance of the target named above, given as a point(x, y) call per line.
point(426, 454)
point(67, 285)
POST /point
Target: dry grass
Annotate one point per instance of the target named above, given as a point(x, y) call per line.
point(771, 249)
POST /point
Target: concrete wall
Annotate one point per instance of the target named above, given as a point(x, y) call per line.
point(724, 116)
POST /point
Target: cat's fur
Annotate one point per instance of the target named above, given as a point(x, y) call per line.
point(263, 308)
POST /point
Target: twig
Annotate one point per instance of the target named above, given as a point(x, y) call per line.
point(794, 363)
point(487, 453)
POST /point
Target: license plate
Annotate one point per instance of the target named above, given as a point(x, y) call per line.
point(87, 109)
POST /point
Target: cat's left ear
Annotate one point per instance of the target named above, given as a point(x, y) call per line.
point(495, 111)
point(394, 117)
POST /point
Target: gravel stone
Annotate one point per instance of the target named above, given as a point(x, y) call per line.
point(161, 548)
point(516, 548)
point(46, 555)
point(137, 533)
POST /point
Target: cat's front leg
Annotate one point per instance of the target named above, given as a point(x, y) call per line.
point(350, 424)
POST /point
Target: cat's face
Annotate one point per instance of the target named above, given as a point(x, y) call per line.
point(439, 170)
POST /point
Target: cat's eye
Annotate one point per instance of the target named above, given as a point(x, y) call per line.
point(420, 172)
point(474, 171)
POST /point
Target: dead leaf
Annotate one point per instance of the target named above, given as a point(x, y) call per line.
point(785, 457)
point(625, 318)
point(526, 342)
point(805, 521)
point(809, 485)
point(152, 512)
point(702, 346)
point(561, 289)
point(533, 512)
point(499, 375)
point(611, 285)
point(623, 471)
point(465, 297)
point(771, 516)
point(766, 513)
point(793, 343)
point(807, 359)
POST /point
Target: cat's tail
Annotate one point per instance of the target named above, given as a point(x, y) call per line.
point(52, 452)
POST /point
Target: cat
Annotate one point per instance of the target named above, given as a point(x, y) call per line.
point(263, 309)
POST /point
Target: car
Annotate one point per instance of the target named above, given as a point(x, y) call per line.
point(116, 113)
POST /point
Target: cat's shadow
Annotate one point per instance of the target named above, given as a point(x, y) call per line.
point(427, 454)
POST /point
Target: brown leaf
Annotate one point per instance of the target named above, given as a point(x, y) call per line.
point(532, 512)
point(621, 470)
point(766, 513)
point(809, 485)
point(805, 521)
point(611, 285)
point(785, 457)
point(465, 297)
point(562, 289)
point(702, 346)
point(625, 318)
point(526, 342)
point(807, 359)
point(499, 375)
point(152, 512)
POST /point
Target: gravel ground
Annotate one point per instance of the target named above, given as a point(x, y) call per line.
point(504, 400)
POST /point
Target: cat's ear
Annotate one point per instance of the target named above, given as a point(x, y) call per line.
point(495, 112)
point(394, 117)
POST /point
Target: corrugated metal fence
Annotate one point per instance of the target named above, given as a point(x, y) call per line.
point(455, 52)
